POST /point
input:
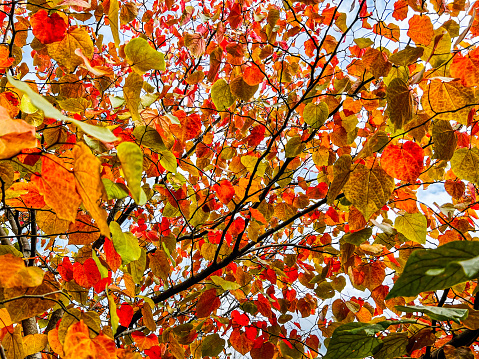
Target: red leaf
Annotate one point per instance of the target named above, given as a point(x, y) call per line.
point(113, 259)
point(404, 162)
point(207, 303)
point(48, 29)
point(66, 269)
point(225, 191)
point(125, 313)
point(86, 275)
point(256, 136)
point(240, 319)
point(240, 342)
point(266, 351)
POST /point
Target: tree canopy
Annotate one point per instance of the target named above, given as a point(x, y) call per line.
point(238, 178)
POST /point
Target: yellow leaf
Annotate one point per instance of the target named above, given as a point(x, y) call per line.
point(34, 343)
point(13, 344)
point(368, 189)
point(131, 92)
point(24, 308)
point(86, 169)
point(54, 342)
point(50, 224)
point(64, 51)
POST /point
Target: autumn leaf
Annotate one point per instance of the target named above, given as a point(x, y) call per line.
point(420, 30)
point(404, 161)
point(368, 189)
point(207, 303)
point(48, 28)
point(142, 57)
point(86, 169)
point(131, 159)
point(15, 135)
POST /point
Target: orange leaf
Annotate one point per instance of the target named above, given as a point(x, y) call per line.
point(224, 191)
point(13, 273)
point(420, 30)
point(466, 68)
point(404, 162)
point(240, 342)
point(190, 126)
point(400, 10)
point(207, 303)
point(252, 75)
point(54, 342)
point(57, 184)
point(15, 135)
point(258, 215)
point(390, 31)
point(144, 342)
point(86, 170)
point(5, 59)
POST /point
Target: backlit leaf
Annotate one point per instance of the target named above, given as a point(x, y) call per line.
point(315, 115)
point(221, 95)
point(101, 133)
point(131, 159)
point(15, 135)
point(404, 161)
point(413, 226)
point(86, 169)
point(465, 164)
point(368, 189)
point(142, 57)
point(125, 243)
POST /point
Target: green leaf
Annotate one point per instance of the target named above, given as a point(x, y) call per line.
point(168, 161)
point(437, 313)
point(358, 237)
point(173, 119)
point(363, 42)
point(407, 56)
point(465, 164)
point(143, 57)
point(101, 268)
point(212, 345)
point(221, 95)
point(356, 340)
point(131, 159)
point(149, 137)
point(315, 115)
point(294, 147)
point(394, 346)
point(225, 284)
point(352, 340)
point(114, 190)
point(413, 226)
point(125, 243)
point(433, 269)
point(101, 133)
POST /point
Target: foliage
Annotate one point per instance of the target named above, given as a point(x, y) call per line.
point(238, 178)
